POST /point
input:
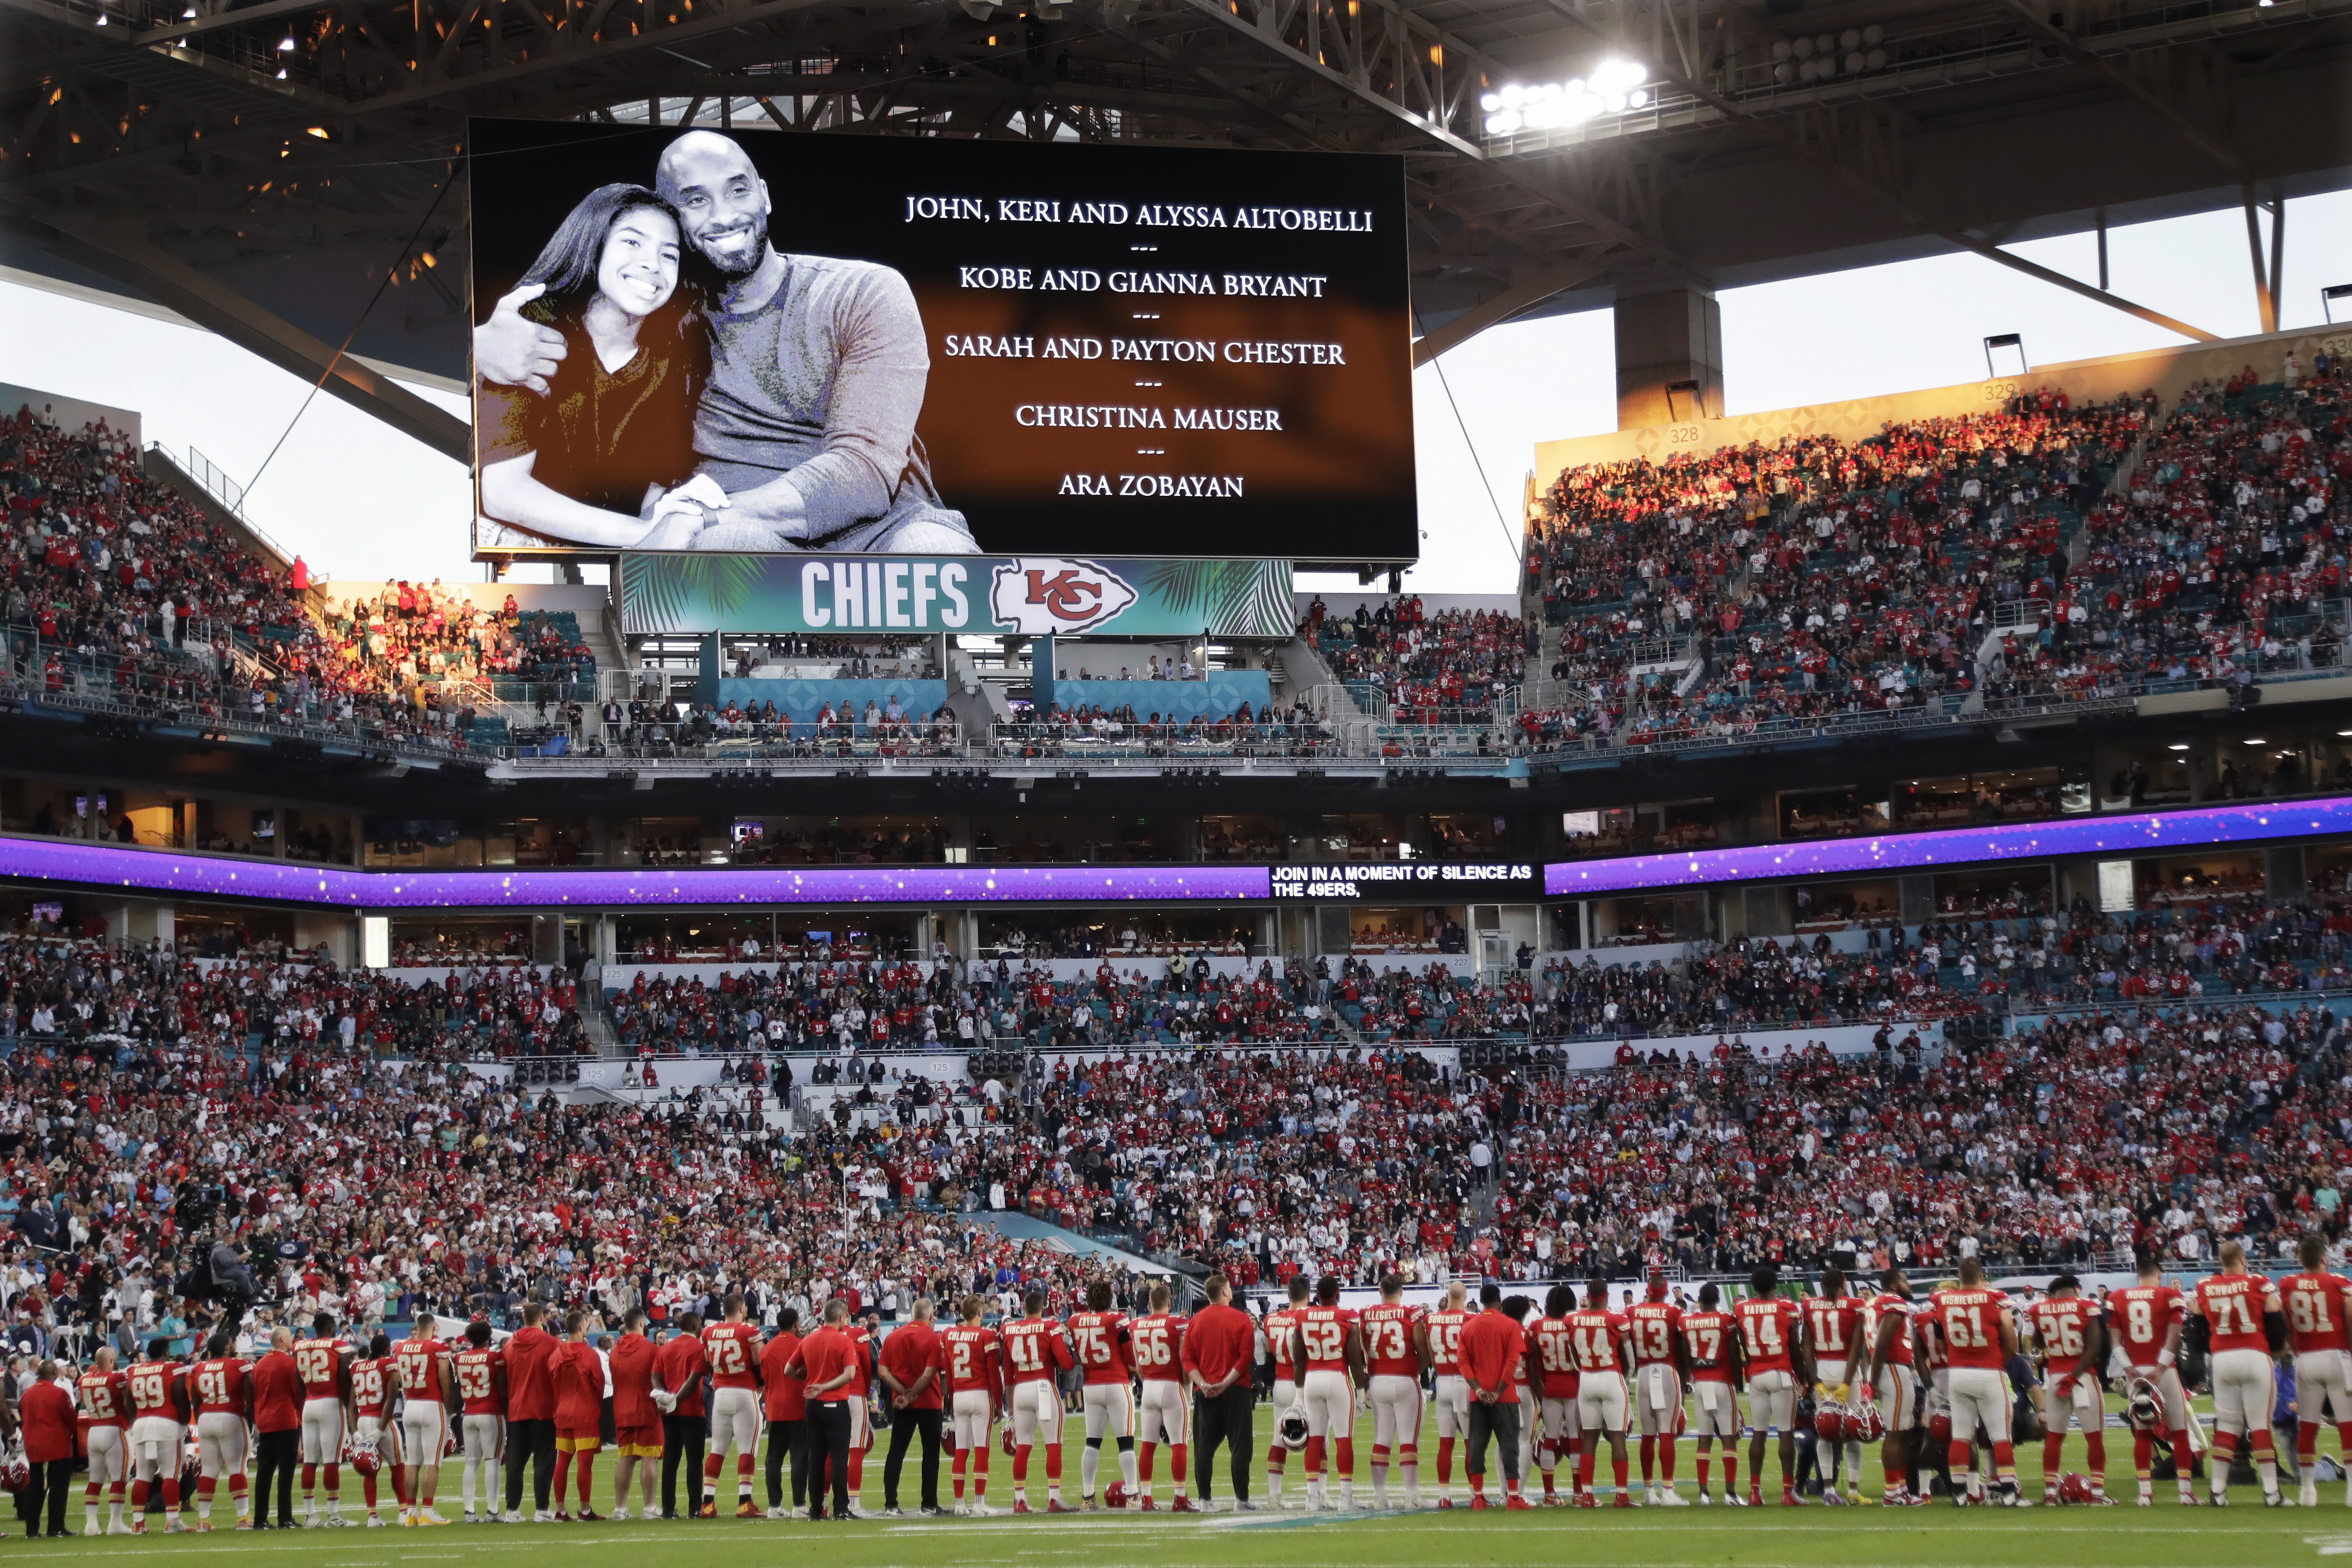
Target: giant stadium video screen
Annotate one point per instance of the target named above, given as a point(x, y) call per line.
point(759, 342)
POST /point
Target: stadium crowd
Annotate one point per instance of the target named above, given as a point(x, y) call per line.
point(1821, 577)
point(1449, 668)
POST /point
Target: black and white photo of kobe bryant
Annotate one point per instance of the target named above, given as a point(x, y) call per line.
point(806, 424)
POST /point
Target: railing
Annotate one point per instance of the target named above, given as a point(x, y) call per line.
point(21, 693)
point(216, 482)
point(1080, 742)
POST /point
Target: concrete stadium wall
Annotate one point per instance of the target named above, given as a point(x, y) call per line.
point(70, 413)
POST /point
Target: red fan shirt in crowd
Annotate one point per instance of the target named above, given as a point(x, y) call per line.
point(1554, 1357)
point(322, 1364)
point(1445, 1327)
point(1767, 1333)
point(372, 1381)
point(219, 1386)
point(784, 1397)
point(1835, 1323)
point(419, 1361)
point(480, 1375)
point(1970, 1321)
point(277, 1394)
point(530, 1387)
point(1388, 1340)
point(1707, 1337)
point(912, 1349)
point(1104, 1346)
point(1034, 1350)
point(1494, 1353)
point(2144, 1317)
point(104, 1398)
point(2234, 1306)
point(1593, 1336)
point(1883, 1304)
point(734, 1353)
point(1324, 1330)
point(1653, 1327)
point(681, 1363)
point(2317, 1304)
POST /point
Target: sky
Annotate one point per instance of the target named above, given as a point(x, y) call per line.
point(357, 499)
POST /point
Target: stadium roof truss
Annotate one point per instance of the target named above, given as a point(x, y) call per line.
point(287, 173)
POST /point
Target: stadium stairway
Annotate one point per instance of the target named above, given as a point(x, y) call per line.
point(979, 705)
point(1028, 1227)
point(1303, 673)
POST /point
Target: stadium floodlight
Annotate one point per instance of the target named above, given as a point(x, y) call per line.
point(2329, 295)
point(286, 44)
point(2013, 342)
point(101, 15)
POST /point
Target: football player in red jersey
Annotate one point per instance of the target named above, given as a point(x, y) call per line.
point(324, 1364)
point(2148, 1319)
point(1278, 1324)
point(376, 1382)
point(2073, 1346)
point(1551, 1382)
point(160, 1412)
point(1105, 1348)
point(1396, 1348)
point(1711, 1341)
point(1834, 1342)
point(1768, 1350)
point(1037, 1352)
point(425, 1385)
point(2318, 1304)
point(103, 1395)
point(1655, 1326)
point(1602, 1343)
point(223, 1398)
point(974, 1360)
point(1979, 1336)
point(2243, 1319)
point(1166, 1415)
point(1329, 1347)
point(1891, 1376)
point(1449, 1390)
point(733, 1347)
point(480, 1372)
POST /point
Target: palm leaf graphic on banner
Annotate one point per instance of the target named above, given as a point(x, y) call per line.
point(1230, 598)
point(678, 592)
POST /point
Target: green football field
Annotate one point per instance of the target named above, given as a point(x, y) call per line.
point(2125, 1536)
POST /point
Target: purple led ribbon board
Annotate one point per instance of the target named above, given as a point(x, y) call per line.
point(196, 876)
point(2142, 833)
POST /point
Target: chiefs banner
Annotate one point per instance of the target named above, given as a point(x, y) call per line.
point(982, 595)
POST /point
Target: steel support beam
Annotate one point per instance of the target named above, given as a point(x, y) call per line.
point(118, 249)
point(1493, 312)
point(1808, 151)
point(1992, 252)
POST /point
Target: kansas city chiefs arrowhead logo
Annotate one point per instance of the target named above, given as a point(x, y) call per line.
point(1038, 595)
